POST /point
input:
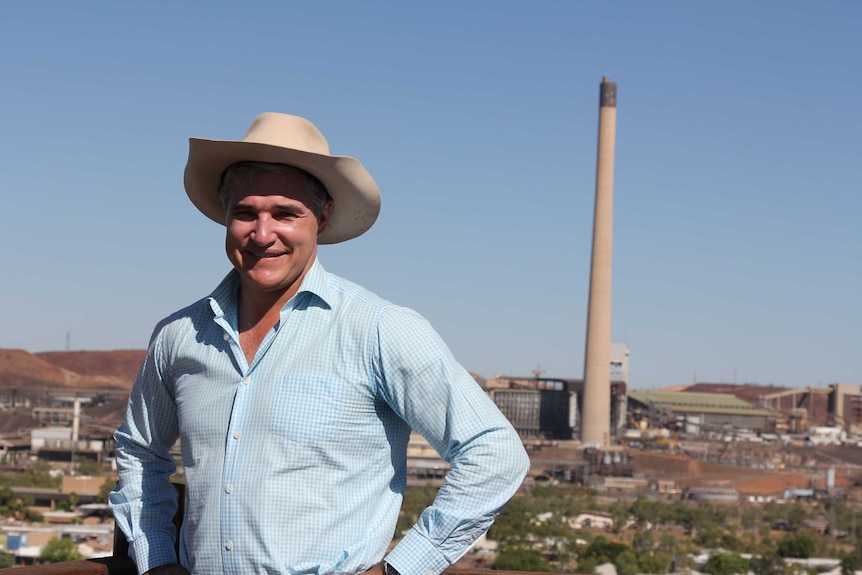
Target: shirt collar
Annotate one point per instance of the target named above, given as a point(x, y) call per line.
point(223, 299)
point(316, 282)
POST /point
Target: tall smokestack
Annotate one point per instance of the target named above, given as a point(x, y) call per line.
point(596, 420)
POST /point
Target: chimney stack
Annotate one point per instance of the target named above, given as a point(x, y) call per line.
point(596, 418)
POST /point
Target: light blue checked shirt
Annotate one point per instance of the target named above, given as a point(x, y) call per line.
point(296, 463)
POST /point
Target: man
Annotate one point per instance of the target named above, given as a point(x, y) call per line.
point(293, 391)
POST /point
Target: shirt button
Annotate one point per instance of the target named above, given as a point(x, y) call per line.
point(226, 337)
point(228, 489)
point(237, 434)
point(246, 381)
point(228, 545)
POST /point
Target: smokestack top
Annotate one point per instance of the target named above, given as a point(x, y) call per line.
point(608, 94)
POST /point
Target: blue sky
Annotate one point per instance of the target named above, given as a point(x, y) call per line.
point(737, 189)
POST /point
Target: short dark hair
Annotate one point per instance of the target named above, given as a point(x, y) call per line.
point(245, 171)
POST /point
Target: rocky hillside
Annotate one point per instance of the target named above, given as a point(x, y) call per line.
point(70, 369)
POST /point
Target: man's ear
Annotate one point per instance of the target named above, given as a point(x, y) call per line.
point(323, 219)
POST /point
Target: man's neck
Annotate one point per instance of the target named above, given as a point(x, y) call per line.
point(257, 314)
point(255, 305)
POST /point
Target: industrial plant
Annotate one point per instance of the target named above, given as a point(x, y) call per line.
point(707, 441)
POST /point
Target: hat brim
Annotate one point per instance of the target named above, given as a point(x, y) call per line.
point(355, 195)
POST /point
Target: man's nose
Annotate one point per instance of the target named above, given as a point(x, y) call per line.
point(263, 230)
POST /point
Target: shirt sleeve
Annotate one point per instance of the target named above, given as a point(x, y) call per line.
point(144, 502)
point(426, 387)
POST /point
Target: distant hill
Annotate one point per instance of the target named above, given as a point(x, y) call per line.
point(121, 363)
point(78, 369)
point(70, 369)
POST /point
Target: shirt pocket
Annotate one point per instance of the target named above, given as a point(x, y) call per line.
point(306, 407)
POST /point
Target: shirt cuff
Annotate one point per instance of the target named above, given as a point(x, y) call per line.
point(152, 551)
point(415, 555)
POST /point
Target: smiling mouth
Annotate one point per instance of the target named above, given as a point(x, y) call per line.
point(266, 256)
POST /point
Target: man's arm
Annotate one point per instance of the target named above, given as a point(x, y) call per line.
point(144, 502)
point(427, 388)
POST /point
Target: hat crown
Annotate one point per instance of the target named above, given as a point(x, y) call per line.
point(287, 131)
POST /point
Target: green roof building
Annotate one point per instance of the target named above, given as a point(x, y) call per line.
point(697, 412)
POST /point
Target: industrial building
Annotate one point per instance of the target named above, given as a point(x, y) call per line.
point(798, 409)
point(845, 406)
point(694, 413)
point(552, 408)
point(545, 413)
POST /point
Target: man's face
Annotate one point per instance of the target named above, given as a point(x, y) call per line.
point(272, 233)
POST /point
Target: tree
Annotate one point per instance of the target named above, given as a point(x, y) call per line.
point(416, 499)
point(643, 541)
point(603, 551)
point(683, 514)
point(60, 550)
point(731, 542)
point(619, 515)
point(111, 482)
point(510, 525)
point(726, 564)
point(6, 560)
point(768, 564)
point(710, 537)
point(851, 563)
point(657, 563)
point(521, 560)
point(668, 543)
point(87, 466)
point(627, 563)
point(68, 504)
point(801, 546)
point(706, 517)
point(38, 475)
point(796, 515)
point(587, 566)
point(10, 506)
point(647, 511)
point(750, 516)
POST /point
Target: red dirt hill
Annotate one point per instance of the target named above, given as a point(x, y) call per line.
point(76, 369)
point(123, 364)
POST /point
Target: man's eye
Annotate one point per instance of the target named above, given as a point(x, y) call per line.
point(244, 215)
point(285, 215)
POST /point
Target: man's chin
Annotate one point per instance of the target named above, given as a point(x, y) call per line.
point(266, 284)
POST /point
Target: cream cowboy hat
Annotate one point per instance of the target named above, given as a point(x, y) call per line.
point(285, 139)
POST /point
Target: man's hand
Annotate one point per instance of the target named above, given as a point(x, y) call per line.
point(169, 569)
point(376, 570)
